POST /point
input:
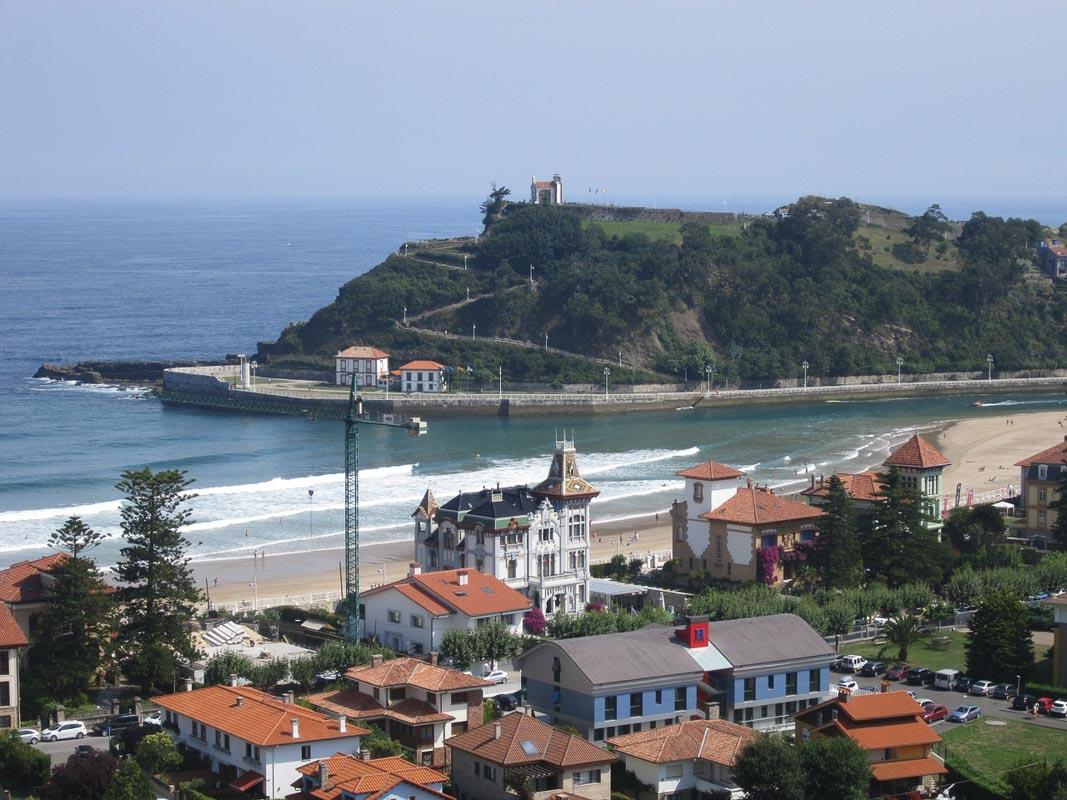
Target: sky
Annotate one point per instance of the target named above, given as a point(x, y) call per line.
point(255, 98)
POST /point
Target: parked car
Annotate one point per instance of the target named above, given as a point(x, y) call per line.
point(496, 676)
point(849, 684)
point(880, 622)
point(935, 712)
point(1058, 708)
point(1023, 702)
point(965, 714)
point(982, 688)
point(1004, 691)
point(1044, 705)
point(155, 719)
point(897, 672)
point(963, 683)
point(852, 663)
point(84, 750)
point(873, 669)
point(946, 679)
point(505, 702)
point(920, 676)
point(925, 701)
point(29, 735)
point(119, 722)
point(72, 729)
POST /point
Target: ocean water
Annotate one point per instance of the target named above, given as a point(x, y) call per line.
point(199, 280)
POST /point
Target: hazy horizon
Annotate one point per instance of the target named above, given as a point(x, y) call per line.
point(266, 100)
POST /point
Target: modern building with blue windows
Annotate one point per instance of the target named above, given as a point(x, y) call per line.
point(757, 672)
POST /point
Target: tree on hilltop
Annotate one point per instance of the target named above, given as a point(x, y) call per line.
point(928, 228)
point(493, 206)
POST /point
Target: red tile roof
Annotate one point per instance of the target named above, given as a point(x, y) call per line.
point(908, 768)
point(1057, 249)
point(918, 453)
point(710, 739)
point(1057, 454)
point(350, 774)
point(359, 351)
point(11, 634)
point(359, 705)
point(21, 582)
point(412, 672)
point(423, 365)
point(863, 486)
point(254, 716)
point(889, 733)
point(441, 593)
point(868, 707)
point(758, 506)
point(710, 471)
point(549, 745)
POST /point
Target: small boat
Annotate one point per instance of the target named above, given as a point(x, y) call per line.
point(977, 404)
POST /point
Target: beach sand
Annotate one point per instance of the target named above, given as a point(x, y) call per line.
point(982, 450)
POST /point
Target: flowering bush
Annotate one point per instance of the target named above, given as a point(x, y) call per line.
point(595, 607)
point(766, 562)
point(534, 622)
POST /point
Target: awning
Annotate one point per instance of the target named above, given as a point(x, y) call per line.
point(908, 768)
point(610, 588)
point(246, 781)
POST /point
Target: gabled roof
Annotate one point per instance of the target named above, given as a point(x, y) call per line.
point(254, 716)
point(525, 740)
point(890, 733)
point(565, 481)
point(427, 506)
point(11, 634)
point(759, 506)
point(376, 776)
point(359, 705)
point(1057, 454)
point(423, 365)
point(22, 583)
point(442, 593)
point(767, 639)
point(710, 471)
point(866, 708)
point(412, 672)
point(359, 351)
point(907, 768)
point(1057, 249)
point(715, 740)
point(862, 486)
point(917, 453)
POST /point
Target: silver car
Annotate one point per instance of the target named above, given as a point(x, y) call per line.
point(29, 735)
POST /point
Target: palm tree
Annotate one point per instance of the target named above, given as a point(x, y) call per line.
point(903, 632)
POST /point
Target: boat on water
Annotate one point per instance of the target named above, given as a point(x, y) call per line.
point(977, 404)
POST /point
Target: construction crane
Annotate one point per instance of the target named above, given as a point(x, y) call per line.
point(353, 416)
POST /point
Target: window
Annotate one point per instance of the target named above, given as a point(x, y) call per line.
point(635, 704)
point(718, 547)
point(1042, 472)
point(226, 742)
point(480, 565)
point(769, 539)
point(813, 681)
point(489, 772)
point(433, 558)
point(1042, 495)
point(598, 735)
point(218, 738)
point(770, 681)
point(477, 768)
point(448, 539)
point(394, 616)
point(513, 568)
point(675, 770)
point(555, 668)
point(458, 698)
point(791, 683)
point(659, 697)
point(807, 535)
point(750, 689)
point(698, 492)
point(681, 700)
point(576, 528)
point(416, 621)
point(544, 534)
point(577, 778)
point(513, 538)
point(611, 707)
point(397, 693)
point(5, 665)
point(1041, 517)
point(479, 536)
point(305, 752)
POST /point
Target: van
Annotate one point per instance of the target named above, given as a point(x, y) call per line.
point(946, 679)
point(852, 663)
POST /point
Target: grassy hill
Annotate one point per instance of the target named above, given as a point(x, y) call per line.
point(845, 287)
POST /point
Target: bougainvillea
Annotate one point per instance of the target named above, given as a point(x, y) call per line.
point(534, 621)
point(766, 563)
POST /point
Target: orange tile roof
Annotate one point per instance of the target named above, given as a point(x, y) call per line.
point(917, 452)
point(416, 595)
point(254, 716)
point(359, 351)
point(890, 733)
point(863, 486)
point(21, 582)
point(715, 740)
point(413, 672)
point(423, 365)
point(757, 506)
point(11, 634)
point(350, 774)
point(349, 701)
point(710, 471)
point(552, 746)
point(868, 707)
point(441, 593)
point(1057, 454)
point(908, 768)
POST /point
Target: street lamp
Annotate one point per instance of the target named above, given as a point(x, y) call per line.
point(900, 363)
point(989, 361)
point(607, 374)
point(405, 315)
point(474, 330)
point(500, 382)
point(1018, 685)
point(531, 274)
point(805, 366)
point(311, 494)
point(546, 341)
point(708, 369)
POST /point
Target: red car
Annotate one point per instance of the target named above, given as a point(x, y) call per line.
point(897, 672)
point(934, 712)
point(1044, 704)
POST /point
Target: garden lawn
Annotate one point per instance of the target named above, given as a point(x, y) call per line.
point(982, 752)
point(927, 653)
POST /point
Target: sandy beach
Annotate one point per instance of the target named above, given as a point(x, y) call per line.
point(982, 450)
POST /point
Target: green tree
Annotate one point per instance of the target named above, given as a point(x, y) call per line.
point(769, 769)
point(899, 547)
point(838, 553)
point(493, 206)
point(304, 672)
point(490, 711)
point(221, 666)
point(1059, 529)
point(835, 768)
point(158, 590)
point(495, 642)
point(22, 766)
point(459, 647)
point(268, 674)
point(1038, 782)
point(129, 783)
point(340, 656)
point(380, 744)
point(156, 753)
point(902, 632)
point(930, 227)
point(82, 777)
point(839, 618)
point(74, 537)
point(999, 646)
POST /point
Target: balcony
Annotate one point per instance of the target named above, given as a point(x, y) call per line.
point(705, 786)
point(565, 578)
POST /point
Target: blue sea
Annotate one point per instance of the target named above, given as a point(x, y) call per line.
point(113, 280)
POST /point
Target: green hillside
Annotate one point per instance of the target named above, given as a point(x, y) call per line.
point(755, 299)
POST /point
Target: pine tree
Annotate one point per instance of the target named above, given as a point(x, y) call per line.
point(899, 547)
point(999, 646)
point(1059, 530)
point(158, 588)
point(839, 553)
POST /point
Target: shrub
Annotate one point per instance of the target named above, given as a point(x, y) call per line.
point(909, 253)
point(21, 765)
point(156, 753)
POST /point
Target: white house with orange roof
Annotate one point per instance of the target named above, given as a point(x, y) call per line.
point(369, 365)
point(412, 615)
point(24, 588)
point(423, 376)
point(419, 703)
point(347, 777)
point(254, 741)
point(920, 465)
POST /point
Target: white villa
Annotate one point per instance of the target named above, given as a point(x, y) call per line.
point(369, 364)
point(423, 376)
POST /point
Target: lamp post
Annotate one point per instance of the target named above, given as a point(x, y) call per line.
point(546, 341)
point(1018, 685)
point(253, 365)
point(900, 363)
point(381, 571)
point(500, 382)
point(805, 366)
point(607, 374)
point(708, 369)
point(405, 315)
point(474, 331)
point(311, 494)
point(989, 361)
point(531, 274)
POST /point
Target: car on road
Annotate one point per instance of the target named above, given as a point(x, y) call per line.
point(897, 672)
point(1005, 691)
point(963, 683)
point(84, 750)
point(935, 712)
point(155, 719)
point(29, 735)
point(505, 702)
point(1044, 705)
point(852, 663)
point(496, 676)
point(849, 684)
point(1058, 708)
point(116, 723)
point(880, 622)
point(1023, 702)
point(921, 676)
point(982, 688)
point(872, 669)
point(964, 713)
point(925, 701)
point(72, 729)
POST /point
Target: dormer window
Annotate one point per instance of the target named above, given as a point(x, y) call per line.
point(1042, 472)
point(698, 493)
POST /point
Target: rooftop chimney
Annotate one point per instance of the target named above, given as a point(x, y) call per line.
point(324, 773)
point(496, 730)
point(414, 568)
point(364, 754)
point(376, 660)
point(813, 480)
point(295, 727)
point(233, 679)
point(288, 698)
point(433, 658)
point(842, 695)
point(188, 684)
point(239, 702)
point(461, 576)
point(342, 724)
point(750, 483)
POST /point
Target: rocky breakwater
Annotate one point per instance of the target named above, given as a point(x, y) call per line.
point(140, 372)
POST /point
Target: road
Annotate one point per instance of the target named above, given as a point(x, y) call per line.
point(60, 751)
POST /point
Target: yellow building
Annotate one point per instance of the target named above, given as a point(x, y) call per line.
point(1040, 482)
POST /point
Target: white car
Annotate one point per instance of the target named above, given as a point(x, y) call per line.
point(1057, 709)
point(924, 701)
point(852, 663)
point(72, 729)
point(154, 719)
point(982, 688)
point(29, 735)
point(497, 676)
point(849, 684)
point(880, 622)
